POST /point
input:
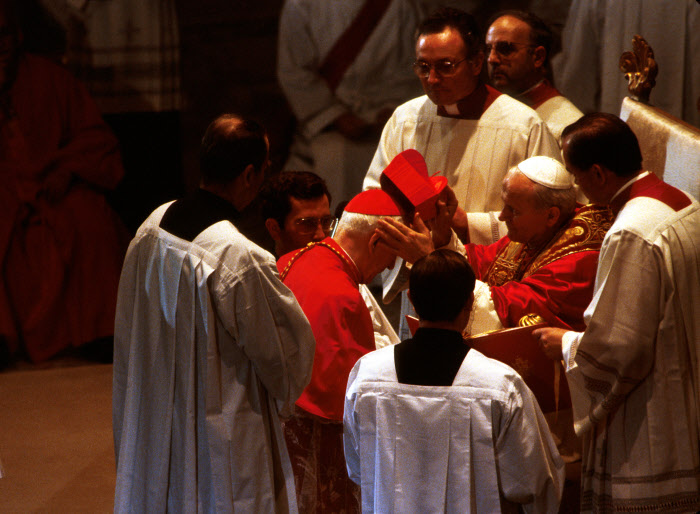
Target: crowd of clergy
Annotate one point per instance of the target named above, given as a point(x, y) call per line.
point(523, 239)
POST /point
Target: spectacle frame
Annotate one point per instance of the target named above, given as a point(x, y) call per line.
point(443, 68)
point(310, 224)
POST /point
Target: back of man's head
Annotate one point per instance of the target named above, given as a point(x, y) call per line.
point(456, 19)
point(230, 144)
point(603, 139)
point(302, 185)
point(440, 285)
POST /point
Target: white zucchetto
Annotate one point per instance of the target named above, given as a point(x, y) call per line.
point(546, 171)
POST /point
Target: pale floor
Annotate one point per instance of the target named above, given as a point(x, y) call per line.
point(56, 447)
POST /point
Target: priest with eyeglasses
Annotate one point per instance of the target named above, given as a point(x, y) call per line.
point(466, 130)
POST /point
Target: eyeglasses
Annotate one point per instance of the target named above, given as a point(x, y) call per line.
point(443, 68)
point(309, 225)
point(505, 48)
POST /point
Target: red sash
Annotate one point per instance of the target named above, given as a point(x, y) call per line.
point(349, 44)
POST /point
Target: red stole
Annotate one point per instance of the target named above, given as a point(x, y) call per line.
point(351, 41)
point(651, 186)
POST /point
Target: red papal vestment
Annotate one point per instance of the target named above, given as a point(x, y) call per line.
point(326, 283)
point(555, 282)
point(60, 259)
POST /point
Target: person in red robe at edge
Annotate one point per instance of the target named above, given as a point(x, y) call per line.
point(61, 244)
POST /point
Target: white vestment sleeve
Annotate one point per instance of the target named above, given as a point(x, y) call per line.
point(298, 61)
point(384, 333)
point(351, 427)
point(263, 316)
point(531, 470)
point(483, 317)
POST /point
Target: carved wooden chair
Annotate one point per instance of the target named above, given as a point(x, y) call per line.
point(670, 147)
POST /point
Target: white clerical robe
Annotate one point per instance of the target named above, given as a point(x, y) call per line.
point(596, 34)
point(206, 339)
point(634, 374)
point(479, 445)
point(379, 78)
point(558, 113)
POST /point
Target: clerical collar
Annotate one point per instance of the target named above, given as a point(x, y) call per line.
point(628, 184)
point(472, 106)
point(199, 210)
point(538, 94)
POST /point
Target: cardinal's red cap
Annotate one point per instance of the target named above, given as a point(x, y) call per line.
point(406, 180)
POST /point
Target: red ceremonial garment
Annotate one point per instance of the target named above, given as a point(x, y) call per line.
point(61, 258)
point(555, 282)
point(539, 94)
point(325, 282)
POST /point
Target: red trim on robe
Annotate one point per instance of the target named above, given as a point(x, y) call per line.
point(652, 186)
point(539, 94)
point(326, 285)
point(473, 106)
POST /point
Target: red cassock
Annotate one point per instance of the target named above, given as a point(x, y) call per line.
point(556, 283)
point(61, 256)
point(325, 282)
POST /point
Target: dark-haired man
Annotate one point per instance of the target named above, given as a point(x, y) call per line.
point(634, 373)
point(518, 46)
point(207, 340)
point(434, 426)
point(466, 130)
point(296, 209)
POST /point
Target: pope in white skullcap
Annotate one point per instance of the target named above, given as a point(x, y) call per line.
point(546, 171)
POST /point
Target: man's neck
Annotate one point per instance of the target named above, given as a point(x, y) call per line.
point(444, 325)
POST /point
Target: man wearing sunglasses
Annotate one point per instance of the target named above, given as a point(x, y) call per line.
point(518, 45)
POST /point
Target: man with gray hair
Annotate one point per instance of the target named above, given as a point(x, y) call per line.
point(325, 278)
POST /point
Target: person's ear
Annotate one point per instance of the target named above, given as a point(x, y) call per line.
point(599, 175)
point(273, 229)
point(249, 175)
point(372, 243)
point(553, 215)
point(539, 55)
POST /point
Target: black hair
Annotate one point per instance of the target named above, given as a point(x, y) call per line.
point(440, 285)
point(229, 145)
point(604, 139)
point(461, 21)
point(277, 190)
